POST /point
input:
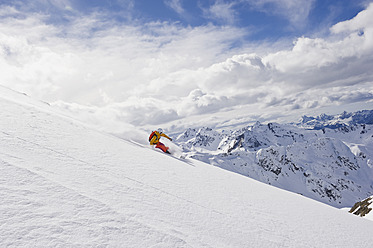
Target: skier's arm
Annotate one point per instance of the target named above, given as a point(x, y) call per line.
point(164, 135)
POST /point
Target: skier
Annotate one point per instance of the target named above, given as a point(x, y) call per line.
point(154, 140)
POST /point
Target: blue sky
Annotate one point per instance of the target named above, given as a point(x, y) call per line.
point(190, 63)
point(263, 19)
point(267, 20)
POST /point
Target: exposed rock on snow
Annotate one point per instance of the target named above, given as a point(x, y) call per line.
point(362, 208)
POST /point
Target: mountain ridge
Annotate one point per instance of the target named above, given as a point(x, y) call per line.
point(336, 121)
point(331, 165)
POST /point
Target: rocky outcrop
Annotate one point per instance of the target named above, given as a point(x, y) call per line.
point(362, 208)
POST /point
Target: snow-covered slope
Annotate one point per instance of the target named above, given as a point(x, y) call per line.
point(66, 185)
point(334, 166)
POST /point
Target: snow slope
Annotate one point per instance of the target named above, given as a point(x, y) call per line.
point(66, 185)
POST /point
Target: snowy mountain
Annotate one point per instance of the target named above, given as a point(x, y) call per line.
point(336, 121)
point(64, 184)
point(334, 166)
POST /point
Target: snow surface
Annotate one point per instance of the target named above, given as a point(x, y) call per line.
point(64, 184)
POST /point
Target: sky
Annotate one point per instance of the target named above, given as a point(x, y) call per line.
point(182, 63)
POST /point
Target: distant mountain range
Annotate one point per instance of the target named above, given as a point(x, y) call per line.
point(326, 158)
point(336, 121)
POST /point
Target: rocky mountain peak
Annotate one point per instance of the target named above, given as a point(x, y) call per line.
point(331, 165)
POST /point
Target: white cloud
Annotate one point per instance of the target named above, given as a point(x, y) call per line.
point(362, 21)
point(360, 26)
point(6, 11)
point(295, 11)
point(160, 72)
point(176, 5)
point(61, 4)
point(77, 64)
point(329, 61)
point(222, 12)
